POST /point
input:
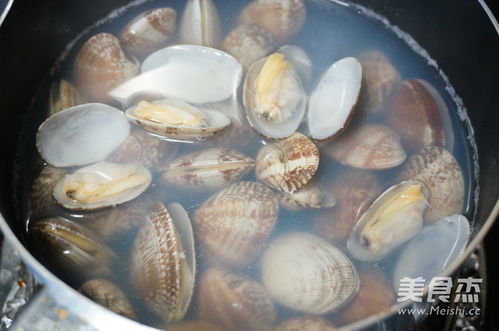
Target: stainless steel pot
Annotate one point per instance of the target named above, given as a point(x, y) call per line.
point(461, 35)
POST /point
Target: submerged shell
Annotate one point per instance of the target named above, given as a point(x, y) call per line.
point(235, 301)
point(370, 146)
point(394, 218)
point(108, 295)
point(188, 72)
point(442, 175)
point(289, 164)
point(282, 18)
point(199, 325)
point(233, 225)
point(306, 273)
point(312, 196)
point(208, 169)
point(63, 95)
point(200, 23)
point(149, 31)
point(81, 135)
point(41, 194)
point(101, 65)
point(314, 323)
point(332, 103)
point(162, 264)
point(101, 185)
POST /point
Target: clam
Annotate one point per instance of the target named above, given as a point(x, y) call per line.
point(311, 196)
point(162, 263)
point(248, 43)
point(63, 95)
point(233, 225)
point(198, 325)
point(273, 97)
point(200, 24)
point(306, 273)
point(177, 119)
point(442, 175)
point(70, 247)
point(149, 31)
point(41, 194)
point(208, 169)
point(300, 60)
point(108, 295)
point(235, 301)
point(101, 65)
point(394, 218)
point(378, 81)
point(314, 323)
point(289, 164)
point(81, 135)
point(191, 73)
point(433, 250)
point(370, 146)
point(282, 18)
point(331, 105)
point(101, 185)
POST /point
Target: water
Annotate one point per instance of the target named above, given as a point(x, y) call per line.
point(350, 31)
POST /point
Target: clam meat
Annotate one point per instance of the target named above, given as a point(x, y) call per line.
point(200, 24)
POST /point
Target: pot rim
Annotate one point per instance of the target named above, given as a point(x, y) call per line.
point(5, 11)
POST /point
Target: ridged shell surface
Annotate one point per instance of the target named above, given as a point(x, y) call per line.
point(197, 325)
point(200, 24)
point(41, 195)
point(63, 95)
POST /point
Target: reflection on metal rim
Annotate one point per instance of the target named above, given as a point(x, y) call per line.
point(4, 9)
point(489, 14)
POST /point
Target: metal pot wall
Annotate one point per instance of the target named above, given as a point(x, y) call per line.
point(458, 34)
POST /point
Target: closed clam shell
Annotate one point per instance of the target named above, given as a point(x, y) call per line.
point(235, 302)
point(439, 171)
point(233, 225)
point(108, 295)
point(41, 194)
point(63, 95)
point(304, 272)
point(289, 164)
point(314, 323)
point(311, 196)
point(198, 325)
point(149, 31)
point(282, 18)
point(208, 169)
point(248, 43)
point(369, 146)
point(200, 24)
point(101, 65)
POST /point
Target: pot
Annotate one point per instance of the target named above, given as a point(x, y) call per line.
point(34, 34)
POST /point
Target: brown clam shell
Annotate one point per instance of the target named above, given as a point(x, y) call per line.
point(233, 225)
point(149, 31)
point(248, 43)
point(101, 65)
point(63, 95)
point(108, 295)
point(235, 301)
point(199, 325)
point(282, 18)
point(368, 146)
point(354, 191)
point(440, 172)
point(41, 195)
point(305, 323)
point(289, 164)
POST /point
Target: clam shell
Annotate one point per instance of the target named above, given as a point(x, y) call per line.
point(41, 194)
point(331, 105)
point(233, 225)
point(200, 23)
point(282, 18)
point(63, 95)
point(370, 146)
point(208, 169)
point(149, 31)
point(442, 175)
point(162, 265)
point(289, 164)
point(306, 273)
point(108, 295)
point(248, 43)
point(81, 135)
point(300, 60)
point(235, 301)
point(101, 65)
point(305, 323)
point(199, 325)
point(311, 196)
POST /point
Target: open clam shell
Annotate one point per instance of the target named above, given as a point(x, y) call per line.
point(300, 60)
point(200, 24)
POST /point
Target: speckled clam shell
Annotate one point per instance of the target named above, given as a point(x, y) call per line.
point(233, 225)
point(200, 24)
point(149, 31)
point(282, 18)
point(289, 164)
point(314, 323)
point(370, 146)
point(208, 169)
point(41, 194)
point(304, 272)
point(311, 196)
point(108, 295)
point(63, 95)
point(439, 170)
point(101, 65)
point(248, 43)
point(235, 301)
point(198, 325)
point(378, 80)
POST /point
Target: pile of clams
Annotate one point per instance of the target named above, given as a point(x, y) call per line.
point(143, 145)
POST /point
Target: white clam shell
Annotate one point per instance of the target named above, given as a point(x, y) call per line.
point(200, 24)
point(300, 60)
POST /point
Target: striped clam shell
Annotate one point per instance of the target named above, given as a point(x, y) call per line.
point(289, 164)
point(63, 95)
point(41, 194)
point(200, 24)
